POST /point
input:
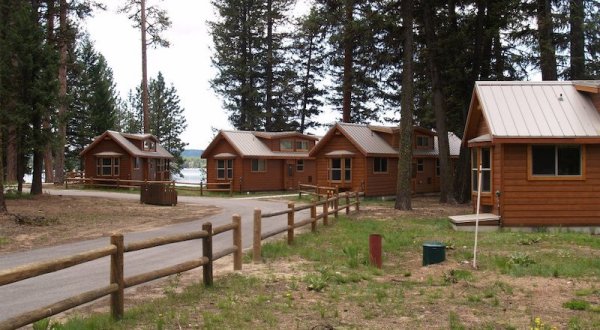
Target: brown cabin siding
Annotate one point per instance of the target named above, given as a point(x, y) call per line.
point(270, 179)
point(108, 146)
point(382, 184)
point(337, 143)
point(549, 203)
point(596, 101)
point(425, 182)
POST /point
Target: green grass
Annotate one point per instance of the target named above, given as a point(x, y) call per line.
point(336, 285)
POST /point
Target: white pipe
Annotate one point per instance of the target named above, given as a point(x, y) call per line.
point(477, 216)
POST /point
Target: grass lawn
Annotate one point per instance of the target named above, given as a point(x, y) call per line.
point(324, 281)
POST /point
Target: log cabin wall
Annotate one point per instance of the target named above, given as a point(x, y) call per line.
point(107, 145)
point(339, 142)
point(270, 179)
point(211, 165)
point(381, 184)
point(549, 202)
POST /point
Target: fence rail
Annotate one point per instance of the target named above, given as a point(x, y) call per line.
point(118, 282)
point(316, 190)
point(226, 187)
point(292, 224)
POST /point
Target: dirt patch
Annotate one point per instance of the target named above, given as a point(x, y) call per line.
point(50, 220)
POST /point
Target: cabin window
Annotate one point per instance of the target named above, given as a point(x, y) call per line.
point(149, 145)
point(137, 163)
point(420, 165)
point(301, 145)
point(300, 165)
point(340, 168)
point(481, 156)
point(107, 166)
point(380, 165)
point(259, 165)
point(224, 168)
point(555, 160)
point(422, 141)
point(286, 145)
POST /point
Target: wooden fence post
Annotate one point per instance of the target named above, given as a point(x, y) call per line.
point(290, 233)
point(347, 202)
point(313, 216)
point(357, 201)
point(207, 270)
point(318, 193)
point(201, 191)
point(117, 301)
point(325, 211)
point(257, 236)
point(230, 188)
point(237, 241)
point(336, 202)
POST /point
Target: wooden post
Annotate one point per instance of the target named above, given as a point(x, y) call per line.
point(257, 236)
point(118, 183)
point(325, 211)
point(313, 216)
point(207, 270)
point(201, 190)
point(237, 241)
point(336, 202)
point(347, 202)
point(67, 184)
point(117, 300)
point(318, 193)
point(230, 188)
point(290, 233)
point(357, 201)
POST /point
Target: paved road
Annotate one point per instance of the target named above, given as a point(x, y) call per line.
point(43, 290)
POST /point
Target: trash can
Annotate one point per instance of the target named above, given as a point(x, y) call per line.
point(433, 253)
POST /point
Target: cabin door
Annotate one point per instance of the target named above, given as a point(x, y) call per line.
point(289, 175)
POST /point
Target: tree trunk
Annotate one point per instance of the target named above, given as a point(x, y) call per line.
point(462, 180)
point(546, 41)
point(2, 201)
point(478, 48)
point(145, 105)
point(577, 61)
point(347, 77)
point(404, 186)
point(59, 161)
point(38, 155)
point(48, 159)
point(305, 87)
point(446, 193)
point(269, 69)
point(11, 154)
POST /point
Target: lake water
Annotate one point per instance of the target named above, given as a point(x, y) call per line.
point(191, 175)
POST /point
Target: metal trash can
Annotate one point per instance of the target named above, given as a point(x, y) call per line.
point(433, 253)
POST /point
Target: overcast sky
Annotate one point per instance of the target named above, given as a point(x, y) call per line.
point(186, 64)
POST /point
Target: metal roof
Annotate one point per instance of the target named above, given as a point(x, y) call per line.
point(130, 148)
point(545, 109)
point(370, 143)
point(453, 144)
point(365, 139)
point(248, 144)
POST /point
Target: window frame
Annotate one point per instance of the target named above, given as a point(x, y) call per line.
point(550, 177)
point(281, 143)
point(300, 165)
point(420, 138)
point(258, 162)
point(381, 160)
point(420, 165)
point(137, 163)
point(114, 166)
point(227, 169)
point(475, 169)
point(304, 145)
point(344, 169)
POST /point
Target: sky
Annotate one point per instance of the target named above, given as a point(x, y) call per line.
point(186, 63)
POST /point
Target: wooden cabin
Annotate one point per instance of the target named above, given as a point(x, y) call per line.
point(365, 158)
point(124, 156)
point(538, 144)
point(260, 161)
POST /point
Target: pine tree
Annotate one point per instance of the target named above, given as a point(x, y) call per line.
point(152, 22)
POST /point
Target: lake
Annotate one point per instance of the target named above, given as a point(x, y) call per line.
point(191, 175)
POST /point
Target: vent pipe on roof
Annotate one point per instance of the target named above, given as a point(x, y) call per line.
point(560, 97)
